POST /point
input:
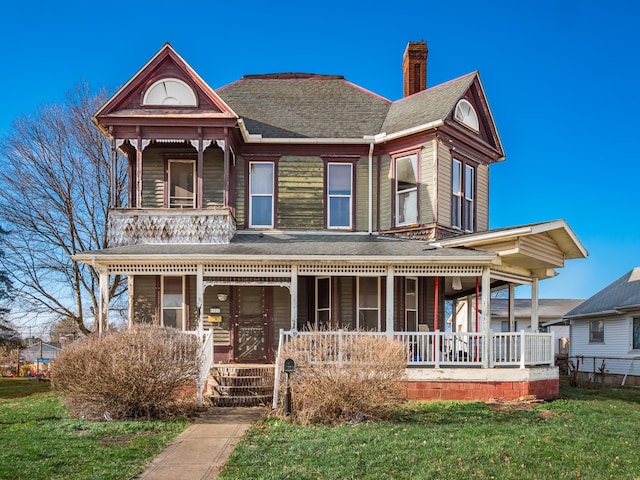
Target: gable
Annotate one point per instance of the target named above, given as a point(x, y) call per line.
point(166, 65)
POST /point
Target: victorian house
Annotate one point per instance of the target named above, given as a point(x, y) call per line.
point(288, 201)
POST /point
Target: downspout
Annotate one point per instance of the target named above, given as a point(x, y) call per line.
point(370, 227)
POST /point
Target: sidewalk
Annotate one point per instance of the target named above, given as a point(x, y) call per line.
point(203, 448)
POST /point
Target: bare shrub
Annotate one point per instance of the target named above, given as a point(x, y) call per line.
point(143, 372)
point(343, 377)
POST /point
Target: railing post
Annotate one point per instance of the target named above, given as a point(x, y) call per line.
point(340, 348)
point(523, 348)
point(436, 349)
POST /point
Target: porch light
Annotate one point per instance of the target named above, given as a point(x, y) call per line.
point(456, 283)
point(223, 297)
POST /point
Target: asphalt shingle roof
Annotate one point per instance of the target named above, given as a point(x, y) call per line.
point(624, 292)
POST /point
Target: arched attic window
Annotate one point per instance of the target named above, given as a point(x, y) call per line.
point(466, 115)
point(170, 91)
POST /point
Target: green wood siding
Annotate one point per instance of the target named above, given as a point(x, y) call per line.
point(482, 207)
point(385, 193)
point(362, 194)
point(144, 294)
point(240, 191)
point(281, 312)
point(444, 185)
point(300, 193)
point(152, 179)
point(213, 177)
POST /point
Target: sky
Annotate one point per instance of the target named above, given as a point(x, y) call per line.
point(558, 74)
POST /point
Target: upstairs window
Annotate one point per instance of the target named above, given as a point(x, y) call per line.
point(261, 188)
point(596, 331)
point(181, 183)
point(463, 196)
point(406, 190)
point(339, 195)
point(170, 92)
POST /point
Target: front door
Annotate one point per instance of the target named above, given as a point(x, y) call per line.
point(251, 330)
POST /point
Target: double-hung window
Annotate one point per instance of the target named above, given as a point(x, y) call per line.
point(339, 195)
point(173, 302)
point(182, 174)
point(406, 190)
point(368, 304)
point(463, 196)
point(261, 188)
point(596, 331)
point(636, 333)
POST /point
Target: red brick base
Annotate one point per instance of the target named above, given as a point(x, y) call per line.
point(481, 391)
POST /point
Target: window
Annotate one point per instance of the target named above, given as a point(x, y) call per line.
point(466, 115)
point(339, 193)
point(636, 333)
point(596, 331)
point(323, 302)
point(181, 183)
point(463, 193)
point(411, 304)
point(261, 186)
point(170, 91)
point(173, 302)
point(406, 190)
point(368, 304)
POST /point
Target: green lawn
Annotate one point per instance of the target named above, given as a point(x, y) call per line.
point(40, 440)
point(587, 434)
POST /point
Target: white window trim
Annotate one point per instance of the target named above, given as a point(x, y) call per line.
point(590, 331)
point(180, 308)
point(349, 196)
point(189, 101)
point(193, 164)
point(359, 309)
point(469, 197)
point(414, 162)
point(463, 196)
point(475, 125)
point(272, 195)
point(457, 166)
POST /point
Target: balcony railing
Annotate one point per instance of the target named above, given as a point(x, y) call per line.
point(166, 225)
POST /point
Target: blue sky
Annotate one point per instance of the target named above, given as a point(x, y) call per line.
point(559, 76)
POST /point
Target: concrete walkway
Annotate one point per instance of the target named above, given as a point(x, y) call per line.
point(201, 450)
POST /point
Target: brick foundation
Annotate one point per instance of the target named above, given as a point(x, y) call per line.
point(482, 391)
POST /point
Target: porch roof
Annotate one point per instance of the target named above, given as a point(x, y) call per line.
point(295, 246)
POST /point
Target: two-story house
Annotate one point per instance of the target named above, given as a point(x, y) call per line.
point(287, 201)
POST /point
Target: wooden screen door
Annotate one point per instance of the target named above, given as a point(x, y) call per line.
point(251, 326)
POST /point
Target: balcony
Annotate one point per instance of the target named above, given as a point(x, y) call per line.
point(161, 225)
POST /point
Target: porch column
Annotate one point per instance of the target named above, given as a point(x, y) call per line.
point(131, 300)
point(534, 305)
point(512, 308)
point(139, 149)
point(293, 290)
point(112, 177)
point(226, 168)
point(390, 306)
point(454, 315)
point(486, 314)
point(103, 307)
point(200, 298)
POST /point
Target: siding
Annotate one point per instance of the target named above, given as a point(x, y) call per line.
point(427, 186)
point(482, 205)
point(443, 201)
point(281, 312)
point(385, 193)
point(221, 331)
point(300, 193)
point(240, 191)
point(362, 194)
point(153, 180)
point(346, 291)
point(617, 343)
point(144, 291)
point(213, 178)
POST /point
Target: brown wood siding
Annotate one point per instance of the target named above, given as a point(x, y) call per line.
point(482, 191)
point(240, 192)
point(362, 194)
point(443, 201)
point(213, 177)
point(385, 193)
point(144, 294)
point(300, 193)
point(426, 194)
point(153, 180)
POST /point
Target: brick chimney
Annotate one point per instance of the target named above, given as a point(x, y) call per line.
point(414, 67)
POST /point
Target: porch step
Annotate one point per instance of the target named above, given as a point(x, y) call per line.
point(234, 385)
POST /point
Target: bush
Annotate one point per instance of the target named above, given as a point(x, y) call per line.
point(140, 373)
point(359, 380)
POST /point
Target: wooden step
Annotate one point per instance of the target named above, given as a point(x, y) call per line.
point(233, 385)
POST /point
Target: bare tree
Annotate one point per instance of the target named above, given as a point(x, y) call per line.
point(54, 194)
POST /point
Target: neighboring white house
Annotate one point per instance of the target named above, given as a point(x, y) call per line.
point(605, 332)
point(550, 316)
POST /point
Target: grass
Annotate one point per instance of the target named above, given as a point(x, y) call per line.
point(589, 434)
point(42, 441)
